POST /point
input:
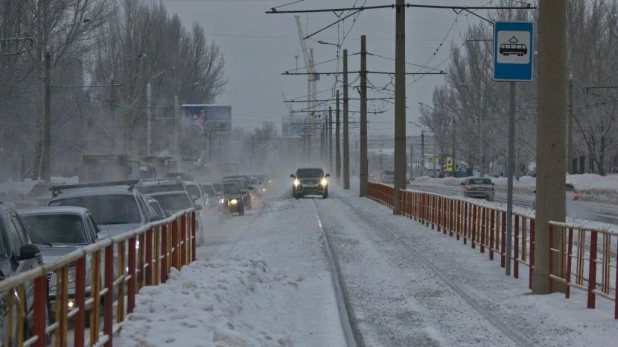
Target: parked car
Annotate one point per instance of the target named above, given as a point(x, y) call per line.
point(479, 187)
point(233, 199)
point(213, 197)
point(571, 194)
point(309, 181)
point(150, 186)
point(58, 231)
point(116, 206)
point(388, 176)
point(174, 202)
point(17, 255)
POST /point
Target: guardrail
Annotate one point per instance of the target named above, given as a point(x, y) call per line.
point(485, 227)
point(142, 257)
point(584, 255)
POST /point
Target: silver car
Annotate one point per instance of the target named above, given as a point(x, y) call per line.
point(58, 231)
point(479, 187)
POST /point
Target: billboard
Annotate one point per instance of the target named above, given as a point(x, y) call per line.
point(203, 127)
point(203, 119)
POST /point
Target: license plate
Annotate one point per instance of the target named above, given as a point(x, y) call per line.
point(480, 188)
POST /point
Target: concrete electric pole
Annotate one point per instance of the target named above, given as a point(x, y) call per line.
point(570, 155)
point(364, 164)
point(422, 153)
point(337, 143)
point(46, 167)
point(400, 103)
point(551, 130)
point(346, 137)
point(148, 118)
point(330, 139)
point(176, 125)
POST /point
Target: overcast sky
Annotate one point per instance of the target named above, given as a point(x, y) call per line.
point(258, 47)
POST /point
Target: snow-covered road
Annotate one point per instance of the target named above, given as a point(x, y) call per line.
point(265, 280)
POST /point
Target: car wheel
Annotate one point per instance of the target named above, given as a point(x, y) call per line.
point(241, 211)
point(297, 196)
point(325, 195)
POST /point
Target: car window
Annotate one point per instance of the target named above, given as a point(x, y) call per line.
point(570, 188)
point(143, 206)
point(3, 249)
point(309, 173)
point(21, 230)
point(208, 189)
point(242, 184)
point(106, 209)
point(48, 229)
point(93, 225)
point(218, 188)
point(13, 231)
point(193, 190)
point(473, 181)
point(158, 188)
point(172, 203)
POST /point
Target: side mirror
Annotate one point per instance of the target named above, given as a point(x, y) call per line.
point(198, 207)
point(493, 184)
point(28, 252)
point(292, 176)
point(327, 175)
point(250, 188)
point(463, 183)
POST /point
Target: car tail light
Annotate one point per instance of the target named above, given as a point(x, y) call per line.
point(576, 196)
point(469, 188)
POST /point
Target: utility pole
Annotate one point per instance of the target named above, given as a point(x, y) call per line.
point(411, 160)
point(337, 144)
point(148, 118)
point(112, 109)
point(422, 152)
point(364, 164)
point(176, 139)
point(346, 134)
point(400, 103)
point(570, 155)
point(509, 170)
point(322, 147)
point(454, 166)
point(550, 149)
point(330, 139)
point(46, 174)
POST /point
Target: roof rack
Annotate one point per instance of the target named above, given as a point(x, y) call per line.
point(58, 189)
point(162, 180)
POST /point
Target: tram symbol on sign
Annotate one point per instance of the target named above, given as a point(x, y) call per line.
point(513, 48)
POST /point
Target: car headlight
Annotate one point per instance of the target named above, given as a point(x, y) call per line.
point(233, 202)
point(296, 182)
point(263, 189)
point(324, 181)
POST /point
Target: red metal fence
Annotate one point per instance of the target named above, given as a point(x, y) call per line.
point(142, 257)
point(485, 228)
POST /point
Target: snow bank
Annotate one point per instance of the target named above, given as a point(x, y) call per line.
point(212, 303)
point(26, 186)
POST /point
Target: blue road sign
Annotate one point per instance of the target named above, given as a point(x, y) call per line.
point(513, 51)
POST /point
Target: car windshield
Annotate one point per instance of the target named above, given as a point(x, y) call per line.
point(208, 189)
point(309, 173)
point(218, 188)
point(253, 181)
point(55, 229)
point(174, 202)
point(478, 181)
point(231, 188)
point(193, 190)
point(389, 172)
point(106, 209)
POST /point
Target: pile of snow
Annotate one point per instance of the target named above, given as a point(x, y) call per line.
point(212, 303)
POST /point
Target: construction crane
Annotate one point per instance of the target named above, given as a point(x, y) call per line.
point(311, 78)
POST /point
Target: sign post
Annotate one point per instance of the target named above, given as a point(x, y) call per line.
point(513, 62)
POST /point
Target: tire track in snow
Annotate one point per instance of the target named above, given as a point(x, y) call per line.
point(352, 339)
point(515, 335)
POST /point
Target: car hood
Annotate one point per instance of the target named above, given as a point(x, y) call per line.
point(310, 179)
point(233, 196)
point(117, 229)
point(51, 254)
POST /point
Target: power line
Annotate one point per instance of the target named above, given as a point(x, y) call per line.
point(358, 72)
point(292, 101)
point(392, 6)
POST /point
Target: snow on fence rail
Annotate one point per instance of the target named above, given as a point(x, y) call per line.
point(486, 227)
point(142, 257)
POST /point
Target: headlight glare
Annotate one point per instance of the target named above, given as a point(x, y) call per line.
point(233, 202)
point(296, 182)
point(324, 181)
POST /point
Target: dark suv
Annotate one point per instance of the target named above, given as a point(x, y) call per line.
point(309, 181)
point(17, 255)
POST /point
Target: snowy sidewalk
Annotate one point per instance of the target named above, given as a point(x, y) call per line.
point(410, 286)
point(262, 280)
